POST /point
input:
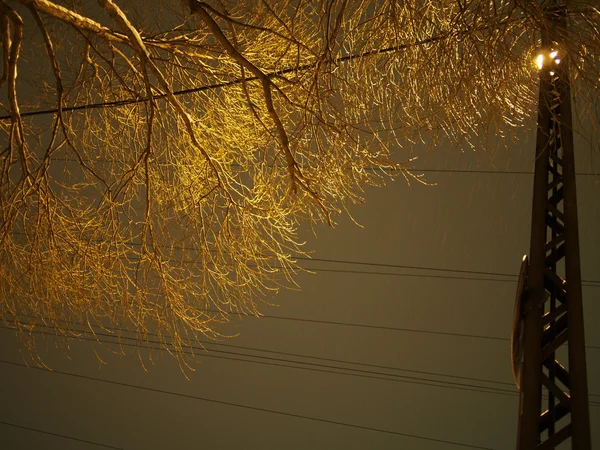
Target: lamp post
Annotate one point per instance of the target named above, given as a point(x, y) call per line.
point(548, 310)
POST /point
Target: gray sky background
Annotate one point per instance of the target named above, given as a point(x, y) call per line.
point(468, 221)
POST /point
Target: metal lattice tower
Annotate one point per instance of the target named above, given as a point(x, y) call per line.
point(548, 334)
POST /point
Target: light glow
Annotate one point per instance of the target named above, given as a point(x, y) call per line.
point(540, 61)
point(541, 57)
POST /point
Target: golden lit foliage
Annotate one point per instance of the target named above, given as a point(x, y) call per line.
point(184, 141)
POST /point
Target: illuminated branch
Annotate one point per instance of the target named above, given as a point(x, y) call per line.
point(294, 171)
point(77, 20)
point(264, 79)
point(136, 41)
point(13, 49)
point(161, 190)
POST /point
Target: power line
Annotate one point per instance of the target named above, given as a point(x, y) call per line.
point(353, 262)
point(512, 277)
point(309, 366)
point(362, 325)
point(299, 68)
point(403, 266)
point(358, 363)
point(492, 172)
point(588, 283)
point(314, 367)
point(297, 355)
point(249, 407)
point(372, 169)
point(208, 87)
point(377, 327)
point(395, 274)
point(368, 263)
point(367, 326)
point(64, 436)
point(481, 380)
point(413, 275)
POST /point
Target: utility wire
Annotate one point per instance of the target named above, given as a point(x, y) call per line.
point(362, 325)
point(588, 283)
point(361, 364)
point(491, 172)
point(512, 277)
point(372, 169)
point(117, 330)
point(296, 355)
point(64, 436)
point(314, 367)
point(350, 262)
point(376, 327)
point(368, 326)
point(401, 266)
point(250, 407)
point(366, 263)
point(299, 365)
point(300, 68)
point(410, 275)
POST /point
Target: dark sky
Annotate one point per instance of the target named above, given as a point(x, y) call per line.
point(426, 352)
point(469, 221)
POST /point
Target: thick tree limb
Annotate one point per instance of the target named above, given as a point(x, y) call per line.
point(72, 18)
point(17, 135)
point(5, 30)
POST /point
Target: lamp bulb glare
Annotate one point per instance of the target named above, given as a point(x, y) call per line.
point(540, 61)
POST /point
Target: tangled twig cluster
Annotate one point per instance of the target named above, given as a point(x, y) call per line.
point(185, 141)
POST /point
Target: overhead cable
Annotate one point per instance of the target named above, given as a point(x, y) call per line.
point(63, 436)
point(249, 407)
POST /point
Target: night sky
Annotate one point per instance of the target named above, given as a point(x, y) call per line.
point(411, 327)
point(408, 347)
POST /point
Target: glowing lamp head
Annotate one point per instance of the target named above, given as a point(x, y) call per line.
point(540, 61)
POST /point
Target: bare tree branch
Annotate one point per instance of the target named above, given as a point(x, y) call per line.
point(162, 186)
